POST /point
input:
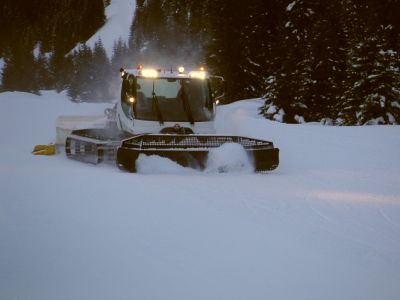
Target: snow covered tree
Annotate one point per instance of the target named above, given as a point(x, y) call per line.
point(327, 63)
point(259, 38)
point(373, 95)
point(373, 82)
point(288, 85)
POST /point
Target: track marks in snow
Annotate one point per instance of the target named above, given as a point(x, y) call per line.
point(357, 221)
point(388, 219)
point(321, 214)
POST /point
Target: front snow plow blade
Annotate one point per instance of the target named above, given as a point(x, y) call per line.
point(192, 150)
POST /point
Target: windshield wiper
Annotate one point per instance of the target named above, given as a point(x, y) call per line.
point(157, 106)
point(186, 105)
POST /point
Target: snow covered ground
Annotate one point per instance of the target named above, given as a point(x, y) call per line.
point(324, 225)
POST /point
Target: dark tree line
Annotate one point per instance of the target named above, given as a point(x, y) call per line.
point(327, 61)
point(331, 61)
point(168, 33)
point(340, 63)
point(48, 29)
point(94, 77)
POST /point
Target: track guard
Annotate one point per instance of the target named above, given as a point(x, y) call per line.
point(126, 159)
point(192, 150)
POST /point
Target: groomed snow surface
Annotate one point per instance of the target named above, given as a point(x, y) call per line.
point(324, 225)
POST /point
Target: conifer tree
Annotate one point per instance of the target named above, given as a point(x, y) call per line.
point(259, 40)
point(372, 83)
point(101, 73)
point(58, 27)
point(120, 57)
point(285, 99)
point(309, 71)
point(80, 87)
point(137, 37)
point(60, 71)
point(327, 62)
point(224, 53)
point(42, 72)
point(19, 73)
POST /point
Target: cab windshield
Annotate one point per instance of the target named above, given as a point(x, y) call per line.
point(173, 99)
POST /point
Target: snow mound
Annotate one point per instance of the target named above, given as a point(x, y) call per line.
point(154, 164)
point(230, 157)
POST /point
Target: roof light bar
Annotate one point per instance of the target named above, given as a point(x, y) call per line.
point(150, 73)
point(198, 74)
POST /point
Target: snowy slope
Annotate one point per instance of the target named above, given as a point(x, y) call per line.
point(324, 225)
point(119, 16)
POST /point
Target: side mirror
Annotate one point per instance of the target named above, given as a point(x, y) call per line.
point(122, 73)
point(218, 88)
point(128, 91)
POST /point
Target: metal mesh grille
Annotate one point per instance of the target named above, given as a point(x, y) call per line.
point(153, 141)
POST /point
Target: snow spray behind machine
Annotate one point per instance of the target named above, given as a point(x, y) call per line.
point(161, 112)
